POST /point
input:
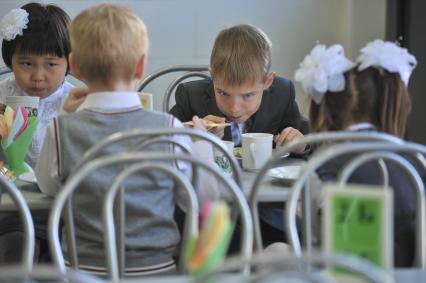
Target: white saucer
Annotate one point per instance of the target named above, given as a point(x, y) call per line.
point(28, 177)
point(286, 173)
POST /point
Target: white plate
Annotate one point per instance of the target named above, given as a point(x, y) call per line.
point(287, 173)
point(28, 177)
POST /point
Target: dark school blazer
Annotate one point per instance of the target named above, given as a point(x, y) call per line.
point(277, 110)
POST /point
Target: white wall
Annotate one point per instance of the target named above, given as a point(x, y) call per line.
point(183, 31)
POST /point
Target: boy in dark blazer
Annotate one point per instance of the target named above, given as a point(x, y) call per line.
point(243, 90)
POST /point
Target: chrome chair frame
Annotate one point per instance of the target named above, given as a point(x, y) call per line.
point(28, 225)
point(340, 149)
point(150, 134)
point(247, 241)
point(116, 264)
point(310, 139)
point(191, 225)
point(73, 181)
point(200, 71)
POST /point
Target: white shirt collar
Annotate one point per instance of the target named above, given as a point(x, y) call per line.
point(360, 127)
point(113, 100)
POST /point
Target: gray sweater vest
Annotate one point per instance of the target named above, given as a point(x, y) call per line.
point(151, 233)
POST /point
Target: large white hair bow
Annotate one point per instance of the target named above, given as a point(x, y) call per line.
point(322, 70)
point(389, 56)
point(13, 23)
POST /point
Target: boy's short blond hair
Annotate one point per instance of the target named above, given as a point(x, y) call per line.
point(241, 54)
point(107, 42)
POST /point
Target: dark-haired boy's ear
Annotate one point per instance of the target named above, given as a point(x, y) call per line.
point(269, 80)
point(73, 67)
point(140, 68)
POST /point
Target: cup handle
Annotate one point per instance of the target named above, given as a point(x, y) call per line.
point(253, 153)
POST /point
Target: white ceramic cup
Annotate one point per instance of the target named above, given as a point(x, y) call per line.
point(29, 102)
point(257, 149)
point(220, 158)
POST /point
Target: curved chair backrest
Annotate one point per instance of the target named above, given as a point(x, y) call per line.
point(311, 139)
point(278, 267)
point(24, 211)
point(373, 151)
point(129, 158)
point(138, 164)
point(153, 133)
point(117, 267)
point(189, 71)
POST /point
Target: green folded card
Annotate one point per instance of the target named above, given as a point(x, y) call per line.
point(15, 153)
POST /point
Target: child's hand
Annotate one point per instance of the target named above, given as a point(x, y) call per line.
point(217, 131)
point(198, 123)
point(287, 135)
point(75, 99)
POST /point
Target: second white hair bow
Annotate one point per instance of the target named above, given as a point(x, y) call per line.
point(389, 56)
point(13, 23)
point(322, 70)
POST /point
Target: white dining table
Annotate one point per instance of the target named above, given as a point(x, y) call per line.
point(272, 189)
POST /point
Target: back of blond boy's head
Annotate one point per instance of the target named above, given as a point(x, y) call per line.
point(241, 54)
point(107, 43)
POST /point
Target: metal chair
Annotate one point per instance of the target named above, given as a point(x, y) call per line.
point(311, 139)
point(24, 211)
point(135, 158)
point(373, 151)
point(136, 164)
point(189, 71)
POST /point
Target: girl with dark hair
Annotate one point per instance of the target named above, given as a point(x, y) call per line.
point(35, 46)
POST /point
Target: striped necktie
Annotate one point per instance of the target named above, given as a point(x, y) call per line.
point(236, 134)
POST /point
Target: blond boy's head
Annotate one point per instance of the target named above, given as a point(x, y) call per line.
point(108, 41)
point(241, 54)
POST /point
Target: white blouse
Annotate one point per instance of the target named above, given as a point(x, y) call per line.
point(48, 108)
